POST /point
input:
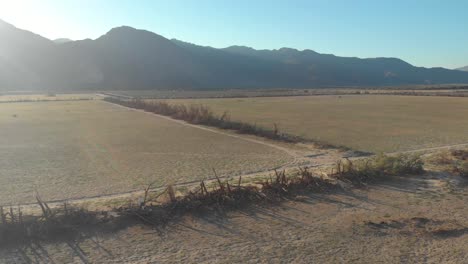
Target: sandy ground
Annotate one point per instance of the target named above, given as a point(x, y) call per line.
point(421, 219)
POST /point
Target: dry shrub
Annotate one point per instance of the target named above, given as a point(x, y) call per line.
point(71, 223)
point(62, 223)
point(456, 161)
point(227, 196)
point(442, 158)
point(460, 154)
point(462, 169)
point(223, 196)
point(282, 184)
point(362, 171)
point(203, 115)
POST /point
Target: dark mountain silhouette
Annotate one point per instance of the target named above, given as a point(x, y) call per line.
point(25, 58)
point(127, 58)
point(463, 68)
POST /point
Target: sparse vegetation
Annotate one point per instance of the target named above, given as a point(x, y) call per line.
point(44, 100)
point(224, 195)
point(460, 154)
point(67, 222)
point(455, 161)
point(62, 223)
point(202, 115)
point(48, 97)
point(283, 185)
point(462, 169)
point(413, 90)
point(461, 163)
point(365, 170)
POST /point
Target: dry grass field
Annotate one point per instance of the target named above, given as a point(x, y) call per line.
point(444, 90)
point(46, 97)
point(364, 122)
point(86, 148)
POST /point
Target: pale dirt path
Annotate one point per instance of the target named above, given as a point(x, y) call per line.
point(461, 145)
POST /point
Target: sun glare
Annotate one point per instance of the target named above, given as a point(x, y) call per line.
point(34, 16)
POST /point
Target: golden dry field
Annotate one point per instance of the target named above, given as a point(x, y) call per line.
point(365, 122)
point(86, 148)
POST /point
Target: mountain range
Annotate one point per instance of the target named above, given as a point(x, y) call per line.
point(126, 58)
point(62, 40)
point(463, 68)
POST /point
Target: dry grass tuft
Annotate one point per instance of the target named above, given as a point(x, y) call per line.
point(462, 169)
point(455, 161)
point(460, 154)
point(67, 223)
point(363, 171)
point(282, 184)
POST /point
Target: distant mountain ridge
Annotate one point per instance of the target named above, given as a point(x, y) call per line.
point(463, 68)
point(62, 40)
point(126, 58)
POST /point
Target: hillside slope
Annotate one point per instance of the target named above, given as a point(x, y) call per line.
point(127, 58)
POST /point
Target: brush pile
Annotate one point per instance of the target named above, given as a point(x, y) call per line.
point(68, 222)
point(64, 222)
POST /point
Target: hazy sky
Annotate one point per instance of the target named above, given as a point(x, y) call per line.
point(425, 33)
